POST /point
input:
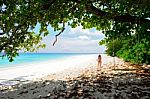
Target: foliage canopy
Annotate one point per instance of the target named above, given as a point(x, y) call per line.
point(119, 19)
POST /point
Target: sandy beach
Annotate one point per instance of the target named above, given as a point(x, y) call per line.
point(77, 78)
point(33, 71)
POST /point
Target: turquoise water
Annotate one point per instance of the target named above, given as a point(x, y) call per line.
point(24, 58)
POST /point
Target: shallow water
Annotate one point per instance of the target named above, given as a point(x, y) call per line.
point(25, 58)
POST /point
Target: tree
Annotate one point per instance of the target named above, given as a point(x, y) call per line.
point(19, 17)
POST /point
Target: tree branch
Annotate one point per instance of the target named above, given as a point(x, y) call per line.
point(47, 4)
point(122, 18)
point(59, 33)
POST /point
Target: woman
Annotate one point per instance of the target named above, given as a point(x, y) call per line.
point(99, 60)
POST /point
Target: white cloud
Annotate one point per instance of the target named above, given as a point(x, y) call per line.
point(71, 45)
point(79, 30)
point(83, 37)
point(75, 40)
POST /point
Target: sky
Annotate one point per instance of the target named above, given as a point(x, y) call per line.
point(73, 40)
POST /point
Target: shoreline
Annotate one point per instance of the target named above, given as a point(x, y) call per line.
point(107, 64)
point(41, 69)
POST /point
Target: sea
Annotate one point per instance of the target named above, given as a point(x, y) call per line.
point(25, 58)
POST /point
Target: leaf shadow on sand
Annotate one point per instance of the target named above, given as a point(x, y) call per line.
point(94, 85)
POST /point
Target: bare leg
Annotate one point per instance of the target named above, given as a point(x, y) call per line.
point(98, 66)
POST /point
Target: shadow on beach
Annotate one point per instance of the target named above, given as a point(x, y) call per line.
point(126, 83)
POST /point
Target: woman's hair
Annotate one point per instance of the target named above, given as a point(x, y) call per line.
point(99, 55)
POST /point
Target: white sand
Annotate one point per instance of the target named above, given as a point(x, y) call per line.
point(41, 69)
point(88, 63)
point(71, 66)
